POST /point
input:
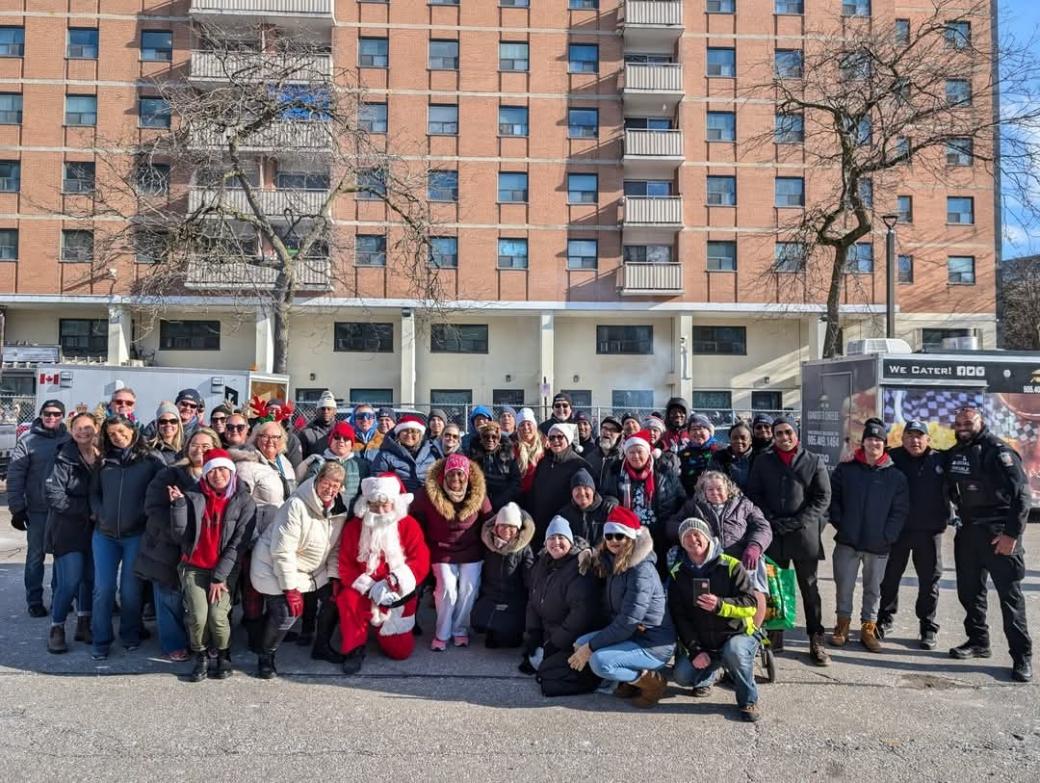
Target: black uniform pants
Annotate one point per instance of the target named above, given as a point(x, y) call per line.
point(975, 560)
point(926, 550)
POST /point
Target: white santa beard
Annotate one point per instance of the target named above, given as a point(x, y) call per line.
point(380, 540)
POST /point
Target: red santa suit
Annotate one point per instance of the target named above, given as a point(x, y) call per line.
point(382, 558)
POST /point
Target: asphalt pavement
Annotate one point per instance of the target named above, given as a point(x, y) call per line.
point(469, 715)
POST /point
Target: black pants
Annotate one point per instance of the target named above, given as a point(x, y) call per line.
point(975, 560)
point(805, 571)
point(279, 620)
point(926, 550)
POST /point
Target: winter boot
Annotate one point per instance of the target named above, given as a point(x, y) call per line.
point(326, 639)
point(651, 687)
point(265, 669)
point(626, 690)
point(223, 668)
point(817, 652)
point(56, 641)
point(352, 660)
point(841, 631)
point(868, 636)
point(198, 671)
point(83, 629)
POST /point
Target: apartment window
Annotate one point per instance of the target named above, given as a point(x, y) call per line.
point(960, 210)
point(82, 43)
point(767, 400)
point(371, 184)
point(459, 338)
point(787, 63)
point(443, 186)
point(904, 269)
point(444, 252)
point(649, 123)
point(790, 192)
point(958, 92)
point(77, 245)
point(625, 340)
point(582, 5)
point(723, 340)
point(866, 193)
point(444, 55)
point(157, 45)
point(512, 56)
point(864, 132)
point(632, 399)
point(788, 257)
point(720, 6)
point(582, 188)
point(789, 7)
point(10, 176)
point(371, 396)
point(514, 398)
point(583, 58)
point(12, 41)
point(78, 177)
point(370, 250)
point(651, 188)
point(374, 53)
point(859, 259)
point(189, 335)
point(512, 121)
point(443, 119)
point(583, 123)
point(512, 187)
point(722, 126)
point(512, 253)
point(789, 129)
point(82, 337)
point(902, 31)
point(901, 149)
point(81, 110)
point(154, 113)
point(443, 2)
point(8, 244)
point(932, 339)
point(372, 117)
point(712, 401)
point(150, 246)
point(363, 337)
point(957, 35)
point(722, 256)
point(647, 254)
point(649, 59)
point(10, 108)
point(514, 3)
point(722, 62)
point(905, 208)
point(855, 66)
point(722, 191)
point(960, 152)
point(960, 270)
point(582, 253)
point(855, 8)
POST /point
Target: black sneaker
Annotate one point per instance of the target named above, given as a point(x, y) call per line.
point(1022, 671)
point(701, 691)
point(265, 667)
point(352, 660)
point(884, 627)
point(970, 650)
point(37, 610)
point(928, 641)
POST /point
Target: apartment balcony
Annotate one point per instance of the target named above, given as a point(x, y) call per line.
point(652, 88)
point(650, 279)
point(650, 219)
point(652, 153)
point(278, 136)
point(312, 275)
point(258, 66)
point(312, 13)
point(651, 24)
point(272, 202)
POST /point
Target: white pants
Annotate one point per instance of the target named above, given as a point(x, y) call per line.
point(454, 595)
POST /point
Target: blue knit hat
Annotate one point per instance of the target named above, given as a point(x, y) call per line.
point(560, 527)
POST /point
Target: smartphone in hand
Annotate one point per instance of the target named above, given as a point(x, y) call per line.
point(701, 587)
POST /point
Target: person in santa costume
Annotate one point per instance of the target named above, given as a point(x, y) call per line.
point(383, 557)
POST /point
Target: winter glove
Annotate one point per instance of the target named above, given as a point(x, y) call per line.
point(19, 519)
point(295, 600)
point(363, 584)
point(336, 587)
point(751, 556)
point(585, 560)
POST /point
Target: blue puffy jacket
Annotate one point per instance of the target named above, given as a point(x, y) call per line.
point(411, 469)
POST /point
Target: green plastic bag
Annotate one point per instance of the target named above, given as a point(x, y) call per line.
point(781, 609)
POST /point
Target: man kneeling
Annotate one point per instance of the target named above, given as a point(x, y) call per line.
point(383, 556)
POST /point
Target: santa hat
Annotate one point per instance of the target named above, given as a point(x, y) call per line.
point(622, 520)
point(642, 439)
point(409, 422)
point(381, 488)
point(569, 431)
point(343, 430)
point(217, 458)
point(525, 414)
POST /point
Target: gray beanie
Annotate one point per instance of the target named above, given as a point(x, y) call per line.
point(694, 523)
point(326, 400)
point(560, 527)
point(169, 408)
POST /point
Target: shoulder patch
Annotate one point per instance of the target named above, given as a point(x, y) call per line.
point(1006, 458)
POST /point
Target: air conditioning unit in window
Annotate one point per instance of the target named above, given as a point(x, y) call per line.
point(876, 345)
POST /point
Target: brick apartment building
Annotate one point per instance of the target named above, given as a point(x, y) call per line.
point(612, 237)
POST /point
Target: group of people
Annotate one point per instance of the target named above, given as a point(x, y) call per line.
point(602, 551)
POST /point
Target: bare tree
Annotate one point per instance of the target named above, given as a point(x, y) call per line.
point(195, 199)
point(876, 103)
point(1020, 303)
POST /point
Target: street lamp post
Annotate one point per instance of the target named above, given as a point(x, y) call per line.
point(890, 274)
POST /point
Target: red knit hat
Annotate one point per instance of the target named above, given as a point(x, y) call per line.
point(343, 430)
point(409, 422)
point(624, 521)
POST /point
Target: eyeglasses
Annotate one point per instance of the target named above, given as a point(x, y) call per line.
point(167, 422)
point(496, 436)
point(614, 536)
point(561, 405)
point(186, 404)
point(557, 437)
point(123, 403)
point(216, 419)
point(236, 427)
point(275, 438)
point(364, 416)
point(450, 436)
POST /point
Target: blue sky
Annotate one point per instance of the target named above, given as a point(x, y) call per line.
point(1020, 18)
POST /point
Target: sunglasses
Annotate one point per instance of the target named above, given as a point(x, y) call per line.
point(236, 427)
point(167, 422)
point(189, 405)
point(560, 405)
point(215, 419)
point(557, 437)
point(614, 536)
point(51, 414)
point(123, 403)
point(365, 416)
point(450, 436)
point(496, 436)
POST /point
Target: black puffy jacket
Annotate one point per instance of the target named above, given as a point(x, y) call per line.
point(588, 523)
point(501, 606)
point(118, 493)
point(925, 478)
point(30, 465)
point(501, 473)
point(564, 603)
point(869, 504)
point(67, 493)
point(236, 529)
point(160, 551)
point(551, 488)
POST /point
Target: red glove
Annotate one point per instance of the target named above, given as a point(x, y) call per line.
point(751, 556)
point(295, 600)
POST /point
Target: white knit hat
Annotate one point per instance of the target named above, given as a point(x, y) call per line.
point(525, 414)
point(569, 431)
point(510, 515)
point(326, 400)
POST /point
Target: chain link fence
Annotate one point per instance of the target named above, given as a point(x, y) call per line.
point(16, 416)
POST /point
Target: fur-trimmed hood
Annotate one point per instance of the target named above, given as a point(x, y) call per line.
point(476, 492)
point(523, 538)
point(643, 550)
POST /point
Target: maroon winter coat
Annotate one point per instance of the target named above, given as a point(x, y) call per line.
point(453, 530)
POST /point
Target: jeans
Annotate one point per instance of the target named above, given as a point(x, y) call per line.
point(199, 614)
point(621, 662)
point(35, 528)
point(846, 569)
point(926, 550)
point(108, 554)
point(454, 595)
point(74, 579)
point(737, 657)
point(169, 617)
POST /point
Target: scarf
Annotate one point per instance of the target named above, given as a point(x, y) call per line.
point(456, 497)
point(216, 503)
point(860, 456)
point(630, 474)
point(787, 457)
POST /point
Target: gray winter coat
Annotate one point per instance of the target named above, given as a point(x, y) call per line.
point(740, 524)
point(30, 465)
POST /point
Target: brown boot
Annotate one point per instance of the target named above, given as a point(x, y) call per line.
point(83, 629)
point(626, 690)
point(817, 653)
point(841, 631)
point(868, 635)
point(651, 687)
point(56, 641)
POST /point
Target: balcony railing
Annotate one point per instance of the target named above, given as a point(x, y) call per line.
point(653, 77)
point(265, 7)
point(653, 12)
point(312, 275)
point(665, 211)
point(651, 279)
point(287, 135)
point(653, 143)
point(272, 202)
point(258, 66)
